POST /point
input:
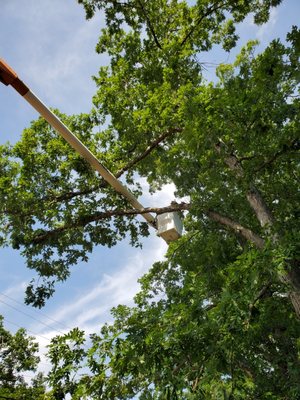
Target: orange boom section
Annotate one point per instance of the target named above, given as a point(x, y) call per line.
point(9, 77)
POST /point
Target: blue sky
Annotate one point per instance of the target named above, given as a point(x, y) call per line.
point(51, 46)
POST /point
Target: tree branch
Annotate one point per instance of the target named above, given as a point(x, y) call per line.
point(199, 20)
point(237, 227)
point(253, 195)
point(149, 149)
point(85, 220)
point(293, 146)
point(259, 206)
point(119, 173)
point(149, 24)
point(82, 221)
point(265, 292)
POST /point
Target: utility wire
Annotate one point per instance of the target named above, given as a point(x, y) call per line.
point(36, 319)
point(28, 330)
point(39, 313)
point(30, 316)
point(86, 345)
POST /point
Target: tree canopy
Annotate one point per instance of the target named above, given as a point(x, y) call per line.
point(219, 319)
point(18, 354)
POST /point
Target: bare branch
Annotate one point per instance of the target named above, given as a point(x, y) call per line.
point(253, 196)
point(231, 159)
point(259, 206)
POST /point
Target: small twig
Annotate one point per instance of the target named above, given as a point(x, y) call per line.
point(149, 149)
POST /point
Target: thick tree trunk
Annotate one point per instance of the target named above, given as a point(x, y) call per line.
point(291, 276)
point(292, 279)
point(295, 299)
point(259, 206)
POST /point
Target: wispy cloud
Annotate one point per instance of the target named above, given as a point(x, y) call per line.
point(266, 30)
point(16, 291)
point(91, 309)
point(93, 305)
point(55, 54)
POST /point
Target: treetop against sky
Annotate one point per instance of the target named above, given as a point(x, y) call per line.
point(219, 315)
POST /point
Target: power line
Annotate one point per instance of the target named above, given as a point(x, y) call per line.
point(28, 330)
point(35, 334)
point(30, 316)
point(39, 313)
point(36, 319)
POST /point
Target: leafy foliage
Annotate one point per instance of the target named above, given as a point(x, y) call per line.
point(51, 202)
point(18, 354)
point(219, 319)
point(54, 207)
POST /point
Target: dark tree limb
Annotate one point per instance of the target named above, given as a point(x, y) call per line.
point(293, 146)
point(149, 24)
point(85, 220)
point(210, 11)
point(149, 149)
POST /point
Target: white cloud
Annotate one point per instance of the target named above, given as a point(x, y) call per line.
point(113, 289)
point(266, 30)
point(16, 291)
point(56, 55)
point(91, 309)
point(161, 198)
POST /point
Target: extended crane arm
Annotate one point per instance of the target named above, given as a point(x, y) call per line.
point(9, 77)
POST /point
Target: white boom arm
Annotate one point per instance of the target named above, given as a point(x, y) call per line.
point(9, 77)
